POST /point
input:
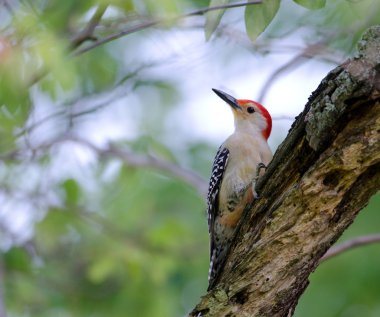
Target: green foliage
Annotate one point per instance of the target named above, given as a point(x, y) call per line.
point(258, 17)
point(213, 17)
point(14, 99)
point(154, 238)
point(16, 260)
point(105, 236)
point(72, 191)
point(345, 21)
point(90, 67)
point(200, 3)
point(311, 4)
point(164, 8)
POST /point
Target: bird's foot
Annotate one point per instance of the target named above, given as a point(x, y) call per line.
point(259, 167)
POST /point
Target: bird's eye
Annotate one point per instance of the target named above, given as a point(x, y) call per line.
point(250, 110)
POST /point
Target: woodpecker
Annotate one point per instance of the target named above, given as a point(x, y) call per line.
point(236, 166)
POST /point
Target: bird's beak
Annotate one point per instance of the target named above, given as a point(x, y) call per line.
point(227, 98)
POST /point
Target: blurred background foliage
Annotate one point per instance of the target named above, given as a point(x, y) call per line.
point(102, 170)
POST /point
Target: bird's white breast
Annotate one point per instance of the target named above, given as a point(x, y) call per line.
point(244, 157)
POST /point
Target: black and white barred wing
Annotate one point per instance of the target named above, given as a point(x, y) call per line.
point(218, 168)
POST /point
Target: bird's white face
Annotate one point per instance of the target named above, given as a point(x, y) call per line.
point(250, 116)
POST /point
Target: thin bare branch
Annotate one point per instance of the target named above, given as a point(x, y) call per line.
point(129, 158)
point(87, 34)
point(296, 61)
point(10, 156)
point(120, 34)
point(350, 244)
point(222, 7)
point(136, 160)
point(66, 110)
point(153, 22)
point(328, 55)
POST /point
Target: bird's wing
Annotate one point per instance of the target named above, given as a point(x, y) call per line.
point(218, 168)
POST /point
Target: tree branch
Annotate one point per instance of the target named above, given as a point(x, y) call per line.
point(136, 160)
point(147, 24)
point(88, 32)
point(222, 7)
point(85, 35)
point(307, 53)
point(350, 244)
point(130, 159)
point(321, 176)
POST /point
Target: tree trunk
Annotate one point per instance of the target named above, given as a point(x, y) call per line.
point(321, 176)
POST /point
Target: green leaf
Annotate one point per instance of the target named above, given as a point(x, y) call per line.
point(258, 17)
point(15, 103)
point(126, 6)
point(56, 224)
point(16, 259)
point(101, 269)
point(162, 8)
point(98, 70)
point(311, 4)
point(72, 191)
point(213, 17)
point(51, 51)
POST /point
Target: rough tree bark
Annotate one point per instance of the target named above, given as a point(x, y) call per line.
point(321, 176)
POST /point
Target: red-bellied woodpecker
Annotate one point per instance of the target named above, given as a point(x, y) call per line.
point(234, 170)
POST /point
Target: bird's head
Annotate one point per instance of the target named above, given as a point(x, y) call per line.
point(248, 114)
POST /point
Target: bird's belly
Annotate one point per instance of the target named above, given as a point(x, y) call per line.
point(239, 195)
point(236, 179)
point(235, 188)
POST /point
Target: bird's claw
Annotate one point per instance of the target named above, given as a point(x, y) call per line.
point(258, 170)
